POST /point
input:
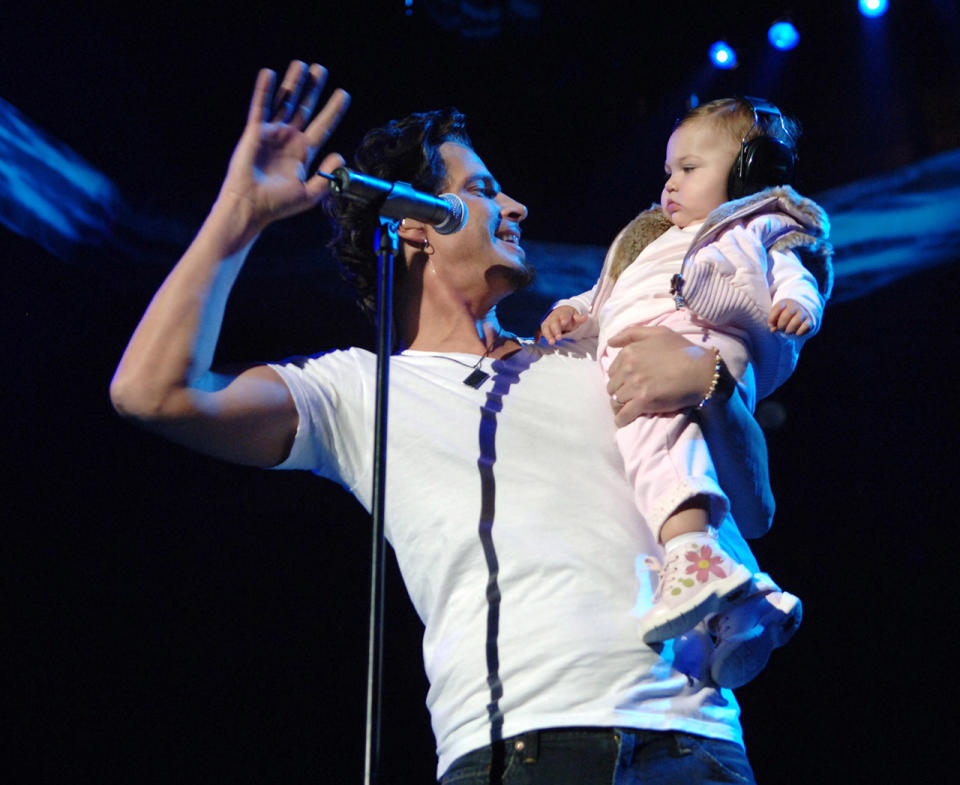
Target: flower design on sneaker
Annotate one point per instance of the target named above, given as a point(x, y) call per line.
point(704, 563)
point(697, 579)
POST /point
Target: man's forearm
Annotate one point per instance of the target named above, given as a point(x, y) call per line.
point(173, 345)
point(739, 452)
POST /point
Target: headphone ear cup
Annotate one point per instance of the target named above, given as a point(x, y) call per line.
point(735, 181)
point(763, 162)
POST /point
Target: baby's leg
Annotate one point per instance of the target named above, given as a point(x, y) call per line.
point(690, 517)
point(666, 457)
point(674, 481)
point(668, 463)
point(676, 490)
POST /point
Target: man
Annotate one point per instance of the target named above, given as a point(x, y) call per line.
point(513, 525)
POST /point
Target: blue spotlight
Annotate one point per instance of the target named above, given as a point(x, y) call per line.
point(873, 7)
point(722, 56)
point(783, 35)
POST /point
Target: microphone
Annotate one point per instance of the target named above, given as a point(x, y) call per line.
point(446, 213)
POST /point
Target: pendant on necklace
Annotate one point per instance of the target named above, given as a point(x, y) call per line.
point(476, 378)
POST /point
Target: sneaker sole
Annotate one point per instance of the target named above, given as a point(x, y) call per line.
point(740, 658)
point(724, 595)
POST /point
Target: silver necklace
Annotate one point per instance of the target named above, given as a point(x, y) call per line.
point(476, 377)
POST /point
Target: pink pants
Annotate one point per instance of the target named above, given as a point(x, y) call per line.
point(665, 455)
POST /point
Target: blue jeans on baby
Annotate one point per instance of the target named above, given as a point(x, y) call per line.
point(602, 756)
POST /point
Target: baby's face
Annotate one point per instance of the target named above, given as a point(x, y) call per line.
point(698, 163)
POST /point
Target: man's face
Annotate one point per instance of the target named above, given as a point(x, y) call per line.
point(698, 163)
point(486, 253)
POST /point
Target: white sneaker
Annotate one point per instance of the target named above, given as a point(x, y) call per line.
point(697, 579)
point(747, 634)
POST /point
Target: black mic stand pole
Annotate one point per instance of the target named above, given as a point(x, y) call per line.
point(387, 247)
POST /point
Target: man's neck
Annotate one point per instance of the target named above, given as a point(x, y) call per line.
point(439, 320)
point(481, 337)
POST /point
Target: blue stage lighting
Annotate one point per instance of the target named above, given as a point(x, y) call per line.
point(722, 56)
point(783, 35)
point(873, 7)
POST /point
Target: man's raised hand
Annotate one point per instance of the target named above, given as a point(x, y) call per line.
point(267, 177)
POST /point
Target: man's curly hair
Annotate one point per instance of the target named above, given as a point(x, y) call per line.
point(407, 150)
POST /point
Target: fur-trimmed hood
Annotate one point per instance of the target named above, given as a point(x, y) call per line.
point(809, 238)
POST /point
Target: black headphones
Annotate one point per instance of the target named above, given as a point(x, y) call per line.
point(763, 160)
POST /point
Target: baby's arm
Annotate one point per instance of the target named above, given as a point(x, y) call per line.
point(568, 315)
point(790, 317)
point(797, 302)
point(561, 320)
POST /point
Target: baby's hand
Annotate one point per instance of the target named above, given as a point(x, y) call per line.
point(791, 317)
point(561, 320)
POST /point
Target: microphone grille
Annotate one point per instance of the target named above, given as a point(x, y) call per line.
point(457, 218)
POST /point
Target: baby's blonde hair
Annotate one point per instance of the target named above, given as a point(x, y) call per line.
point(736, 117)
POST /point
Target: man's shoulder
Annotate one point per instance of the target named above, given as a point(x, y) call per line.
point(565, 349)
point(353, 355)
point(333, 373)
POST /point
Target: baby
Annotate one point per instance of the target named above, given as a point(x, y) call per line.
point(725, 274)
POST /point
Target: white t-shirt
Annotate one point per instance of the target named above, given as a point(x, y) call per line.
point(530, 458)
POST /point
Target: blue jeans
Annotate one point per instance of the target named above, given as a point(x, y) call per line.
point(602, 756)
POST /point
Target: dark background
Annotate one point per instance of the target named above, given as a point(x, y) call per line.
point(174, 619)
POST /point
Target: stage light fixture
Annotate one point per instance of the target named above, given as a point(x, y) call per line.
point(874, 7)
point(722, 55)
point(783, 35)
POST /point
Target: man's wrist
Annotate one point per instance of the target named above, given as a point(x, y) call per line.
point(726, 385)
point(232, 219)
point(721, 385)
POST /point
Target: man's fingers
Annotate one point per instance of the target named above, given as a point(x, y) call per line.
point(318, 185)
point(262, 89)
point(328, 118)
point(632, 334)
point(295, 99)
point(625, 414)
point(284, 102)
point(308, 101)
point(295, 92)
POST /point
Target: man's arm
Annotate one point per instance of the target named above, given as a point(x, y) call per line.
point(164, 381)
point(739, 451)
point(658, 370)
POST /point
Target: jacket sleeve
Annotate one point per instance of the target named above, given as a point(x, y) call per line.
point(790, 280)
point(728, 282)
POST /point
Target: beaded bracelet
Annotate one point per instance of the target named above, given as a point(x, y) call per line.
point(714, 381)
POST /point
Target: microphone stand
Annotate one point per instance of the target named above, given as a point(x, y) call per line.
point(387, 247)
point(448, 214)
